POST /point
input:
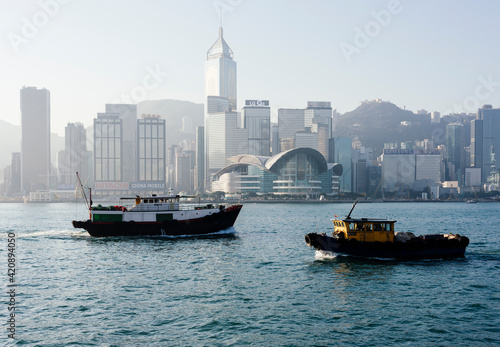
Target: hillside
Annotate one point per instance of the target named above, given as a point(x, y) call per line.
point(376, 123)
point(173, 111)
point(10, 141)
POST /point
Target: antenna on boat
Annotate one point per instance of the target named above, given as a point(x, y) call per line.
point(353, 205)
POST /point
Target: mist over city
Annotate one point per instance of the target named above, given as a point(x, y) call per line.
point(250, 172)
point(380, 99)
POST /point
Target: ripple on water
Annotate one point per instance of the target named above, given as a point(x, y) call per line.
point(261, 286)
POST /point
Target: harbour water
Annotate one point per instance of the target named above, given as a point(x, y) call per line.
point(259, 284)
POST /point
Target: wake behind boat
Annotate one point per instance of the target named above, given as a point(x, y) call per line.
point(370, 237)
point(157, 215)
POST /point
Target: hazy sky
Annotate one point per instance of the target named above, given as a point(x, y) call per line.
point(434, 55)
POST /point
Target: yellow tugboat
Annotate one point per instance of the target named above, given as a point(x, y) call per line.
point(370, 237)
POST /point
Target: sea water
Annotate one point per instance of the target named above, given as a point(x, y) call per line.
point(257, 284)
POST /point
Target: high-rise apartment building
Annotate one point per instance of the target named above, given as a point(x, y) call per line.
point(35, 141)
point(75, 157)
point(435, 117)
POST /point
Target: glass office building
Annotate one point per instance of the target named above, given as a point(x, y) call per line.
point(108, 148)
point(343, 155)
point(35, 141)
point(257, 119)
point(151, 149)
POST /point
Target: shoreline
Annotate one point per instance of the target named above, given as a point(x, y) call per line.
point(274, 201)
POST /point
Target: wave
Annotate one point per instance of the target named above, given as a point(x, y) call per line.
point(227, 232)
point(324, 255)
point(49, 233)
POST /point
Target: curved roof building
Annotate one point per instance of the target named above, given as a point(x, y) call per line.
point(296, 171)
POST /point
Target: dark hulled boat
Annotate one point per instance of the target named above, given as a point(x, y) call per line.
point(158, 215)
point(370, 237)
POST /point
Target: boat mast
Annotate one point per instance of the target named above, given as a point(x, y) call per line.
point(83, 192)
point(353, 205)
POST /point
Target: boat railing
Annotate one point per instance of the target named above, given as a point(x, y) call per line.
point(169, 207)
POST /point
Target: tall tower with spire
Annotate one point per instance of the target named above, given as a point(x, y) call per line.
point(223, 138)
point(220, 72)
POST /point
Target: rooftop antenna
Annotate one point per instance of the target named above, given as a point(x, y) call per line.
point(220, 28)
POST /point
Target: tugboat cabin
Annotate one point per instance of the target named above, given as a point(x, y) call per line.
point(365, 229)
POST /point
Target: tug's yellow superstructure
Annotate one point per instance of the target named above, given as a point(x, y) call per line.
point(367, 230)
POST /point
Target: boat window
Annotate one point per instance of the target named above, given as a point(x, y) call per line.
point(388, 227)
point(351, 226)
point(369, 227)
point(359, 226)
point(377, 227)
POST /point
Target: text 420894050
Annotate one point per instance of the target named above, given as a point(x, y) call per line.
point(11, 272)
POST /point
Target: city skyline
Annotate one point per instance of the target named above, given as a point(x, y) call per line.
point(89, 54)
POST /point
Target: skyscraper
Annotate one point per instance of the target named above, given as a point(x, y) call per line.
point(220, 71)
point(343, 155)
point(108, 150)
point(490, 137)
point(74, 158)
point(128, 114)
point(151, 153)
point(319, 112)
point(35, 141)
point(455, 150)
point(257, 119)
point(183, 173)
point(223, 137)
point(476, 143)
point(199, 184)
point(289, 122)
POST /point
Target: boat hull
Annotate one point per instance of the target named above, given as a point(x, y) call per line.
point(431, 248)
point(199, 226)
